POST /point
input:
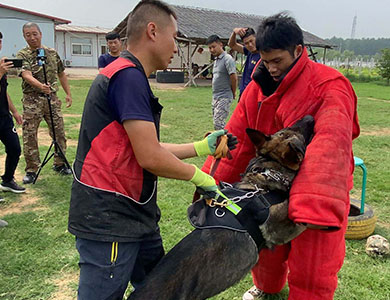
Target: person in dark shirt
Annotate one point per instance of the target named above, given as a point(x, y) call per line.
point(248, 37)
point(114, 49)
point(8, 135)
point(113, 208)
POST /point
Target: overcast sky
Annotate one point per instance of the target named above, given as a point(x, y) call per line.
point(323, 18)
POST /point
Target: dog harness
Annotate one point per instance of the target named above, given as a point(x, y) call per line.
point(244, 212)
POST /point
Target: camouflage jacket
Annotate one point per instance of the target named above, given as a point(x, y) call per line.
point(53, 65)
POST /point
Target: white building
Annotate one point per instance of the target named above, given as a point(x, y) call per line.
point(12, 20)
point(80, 46)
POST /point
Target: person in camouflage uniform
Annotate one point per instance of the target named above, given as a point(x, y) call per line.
point(35, 104)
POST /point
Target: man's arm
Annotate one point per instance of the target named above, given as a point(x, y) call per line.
point(65, 86)
point(29, 78)
point(154, 157)
point(181, 151)
point(233, 40)
point(233, 83)
point(14, 111)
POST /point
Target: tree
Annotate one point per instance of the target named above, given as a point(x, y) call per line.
point(384, 64)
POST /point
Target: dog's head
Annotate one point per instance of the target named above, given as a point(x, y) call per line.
point(287, 146)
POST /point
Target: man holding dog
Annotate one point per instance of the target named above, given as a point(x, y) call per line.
point(287, 85)
point(113, 211)
point(248, 37)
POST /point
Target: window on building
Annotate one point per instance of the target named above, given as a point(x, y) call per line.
point(103, 49)
point(81, 46)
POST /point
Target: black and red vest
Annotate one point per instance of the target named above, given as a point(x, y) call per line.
point(113, 198)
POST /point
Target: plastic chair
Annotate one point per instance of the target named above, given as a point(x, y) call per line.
point(360, 163)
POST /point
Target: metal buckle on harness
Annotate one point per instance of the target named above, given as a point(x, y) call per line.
point(213, 203)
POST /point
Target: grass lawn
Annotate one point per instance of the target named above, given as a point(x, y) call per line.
point(39, 260)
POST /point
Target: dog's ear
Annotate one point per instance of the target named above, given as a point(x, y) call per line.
point(258, 138)
point(294, 156)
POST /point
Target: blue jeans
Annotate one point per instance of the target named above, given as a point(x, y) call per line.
point(106, 268)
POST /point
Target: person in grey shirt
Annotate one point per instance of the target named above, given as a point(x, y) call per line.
point(224, 81)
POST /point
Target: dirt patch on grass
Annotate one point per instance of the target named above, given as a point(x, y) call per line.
point(375, 132)
point(383, 224)
point(64, 289)
point(379, 100)
point(28, 200)
point(44, 138)
point(72, 115)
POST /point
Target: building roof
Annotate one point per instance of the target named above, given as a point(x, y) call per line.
point(199, 23)
point(54, 19)
point(82, 29)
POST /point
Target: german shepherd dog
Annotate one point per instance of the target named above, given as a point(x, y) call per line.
point(208, 261)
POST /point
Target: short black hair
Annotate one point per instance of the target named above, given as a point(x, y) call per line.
point(213, 38)
point(112, 36)
point(143, 13)
point(1, 35)
point(248, 32)
point(279, 31)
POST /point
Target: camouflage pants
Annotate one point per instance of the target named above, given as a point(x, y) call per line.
point(221, 109)
point(36, 108)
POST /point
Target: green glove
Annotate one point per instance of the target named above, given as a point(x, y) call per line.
point(204, 181)
point(208, 145)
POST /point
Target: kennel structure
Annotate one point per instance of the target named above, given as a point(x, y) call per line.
point(197, 24)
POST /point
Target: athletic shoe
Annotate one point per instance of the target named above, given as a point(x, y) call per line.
point(253, 293)
point(12, 186)
point(29, 178)
point(63, 170)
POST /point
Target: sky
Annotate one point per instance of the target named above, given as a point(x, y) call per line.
point(322, 18)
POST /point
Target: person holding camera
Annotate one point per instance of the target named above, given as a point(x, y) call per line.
point(248, 37)
point(8, 135)
point(35, 104)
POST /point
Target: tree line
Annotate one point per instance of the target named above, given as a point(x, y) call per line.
point(363, 47)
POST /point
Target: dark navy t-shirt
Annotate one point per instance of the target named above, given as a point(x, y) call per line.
point(250, 63)
point(129, 96)
point(105, 59)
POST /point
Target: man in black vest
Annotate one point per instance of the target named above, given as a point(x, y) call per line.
point(113, 210)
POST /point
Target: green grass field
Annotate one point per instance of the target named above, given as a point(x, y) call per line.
point(38, 259)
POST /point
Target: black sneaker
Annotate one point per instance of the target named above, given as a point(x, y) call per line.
point(63, 170)
point(29, 178)
point(12, 186)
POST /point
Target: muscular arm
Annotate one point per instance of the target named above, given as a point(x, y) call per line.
point(233, 40)
point(154, 157)
point(233, 83)
point(65, 85)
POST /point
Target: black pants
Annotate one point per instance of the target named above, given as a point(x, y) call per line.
point(9, 138)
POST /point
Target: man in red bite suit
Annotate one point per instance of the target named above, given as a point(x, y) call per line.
point(286, 86)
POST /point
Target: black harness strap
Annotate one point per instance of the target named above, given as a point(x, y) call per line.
point(254, 212)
